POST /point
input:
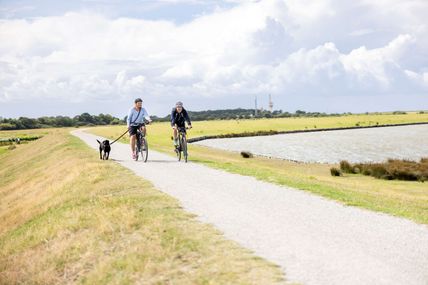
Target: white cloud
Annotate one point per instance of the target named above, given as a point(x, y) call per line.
point(361, 32)
point(311, 46)
point(368, 64)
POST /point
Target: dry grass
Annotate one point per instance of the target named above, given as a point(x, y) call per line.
point(67, 218)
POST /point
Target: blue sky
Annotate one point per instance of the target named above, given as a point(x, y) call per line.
point(69, 57)
point(177, 11)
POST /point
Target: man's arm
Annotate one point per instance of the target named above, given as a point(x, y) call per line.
point(186, 117)
point(172, 118)
point(146, 115)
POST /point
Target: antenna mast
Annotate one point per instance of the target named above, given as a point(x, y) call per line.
point(270, 104)
point(255, 107)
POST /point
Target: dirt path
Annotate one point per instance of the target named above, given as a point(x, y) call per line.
point(314, 240)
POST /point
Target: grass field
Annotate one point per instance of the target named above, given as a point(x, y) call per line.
point(400, 198)
point(24, 133)
point(66, 218)
point(20, 133)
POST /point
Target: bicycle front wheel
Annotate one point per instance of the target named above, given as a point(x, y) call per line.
point(184, 147)
point(178, 149)
point(144, 149)
point(137, 147)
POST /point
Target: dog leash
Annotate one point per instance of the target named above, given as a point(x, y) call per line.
point(119, 137)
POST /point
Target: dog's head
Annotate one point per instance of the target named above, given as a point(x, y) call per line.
point(104, 143)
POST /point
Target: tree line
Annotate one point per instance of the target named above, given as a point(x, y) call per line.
point(234, 114)
point(84, 119)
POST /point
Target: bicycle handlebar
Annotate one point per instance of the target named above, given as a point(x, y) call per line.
point(187, 128)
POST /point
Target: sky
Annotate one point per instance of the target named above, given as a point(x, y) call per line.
point(97, 56)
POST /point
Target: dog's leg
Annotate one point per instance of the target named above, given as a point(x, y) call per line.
point(108, 154)
point(101, 154)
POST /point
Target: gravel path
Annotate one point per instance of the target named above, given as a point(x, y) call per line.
point(314, 240)
point(359, 145)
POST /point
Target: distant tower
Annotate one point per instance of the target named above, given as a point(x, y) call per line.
point(255, 107)
point(270, 104)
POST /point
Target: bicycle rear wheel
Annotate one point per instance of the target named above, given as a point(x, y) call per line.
point(144, 149)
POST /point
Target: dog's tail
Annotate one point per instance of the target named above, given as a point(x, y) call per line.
point(98, 141)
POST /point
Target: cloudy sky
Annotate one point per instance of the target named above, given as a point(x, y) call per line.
point(69, 57)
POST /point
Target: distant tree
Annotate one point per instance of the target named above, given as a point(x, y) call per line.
point(7, 126)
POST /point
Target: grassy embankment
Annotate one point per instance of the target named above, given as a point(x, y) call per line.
point(21, 134)
point(66, 217)
point(400, 198)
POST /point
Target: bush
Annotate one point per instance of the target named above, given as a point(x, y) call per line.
point(357, 168)
point(378, 170)
point(346, 167)
point(246, 154)
point(390, 170)
point(335, 172)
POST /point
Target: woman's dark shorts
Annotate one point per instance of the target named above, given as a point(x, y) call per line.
point(133, 129)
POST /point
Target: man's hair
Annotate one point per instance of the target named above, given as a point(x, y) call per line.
point(138, 100)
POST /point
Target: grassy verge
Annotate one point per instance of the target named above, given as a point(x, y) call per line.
point(67, 217)
point(400, 198)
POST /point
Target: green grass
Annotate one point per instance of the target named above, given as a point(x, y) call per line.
point(3, 149)
point(24, 133)
point(67, 217)
point(399, 198)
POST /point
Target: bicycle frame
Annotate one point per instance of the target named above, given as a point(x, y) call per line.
point(182, 143)
point(141, 145)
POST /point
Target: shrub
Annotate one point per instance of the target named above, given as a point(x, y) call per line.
point(246, 154)
point(378, 170)
point(357, 168)
point(346, 167)
point(335, 172)
point(367, 171)
point(391, 169)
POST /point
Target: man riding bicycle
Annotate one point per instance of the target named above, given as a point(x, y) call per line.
point(179, 117)
point(135, 121)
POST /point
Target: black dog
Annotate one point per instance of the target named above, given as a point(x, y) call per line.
point(104, 149)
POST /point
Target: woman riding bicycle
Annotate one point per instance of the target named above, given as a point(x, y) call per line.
point(135, 121)
point(179, 117)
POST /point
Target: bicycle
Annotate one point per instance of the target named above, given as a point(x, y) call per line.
point(141, 145)
point(182, 144)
